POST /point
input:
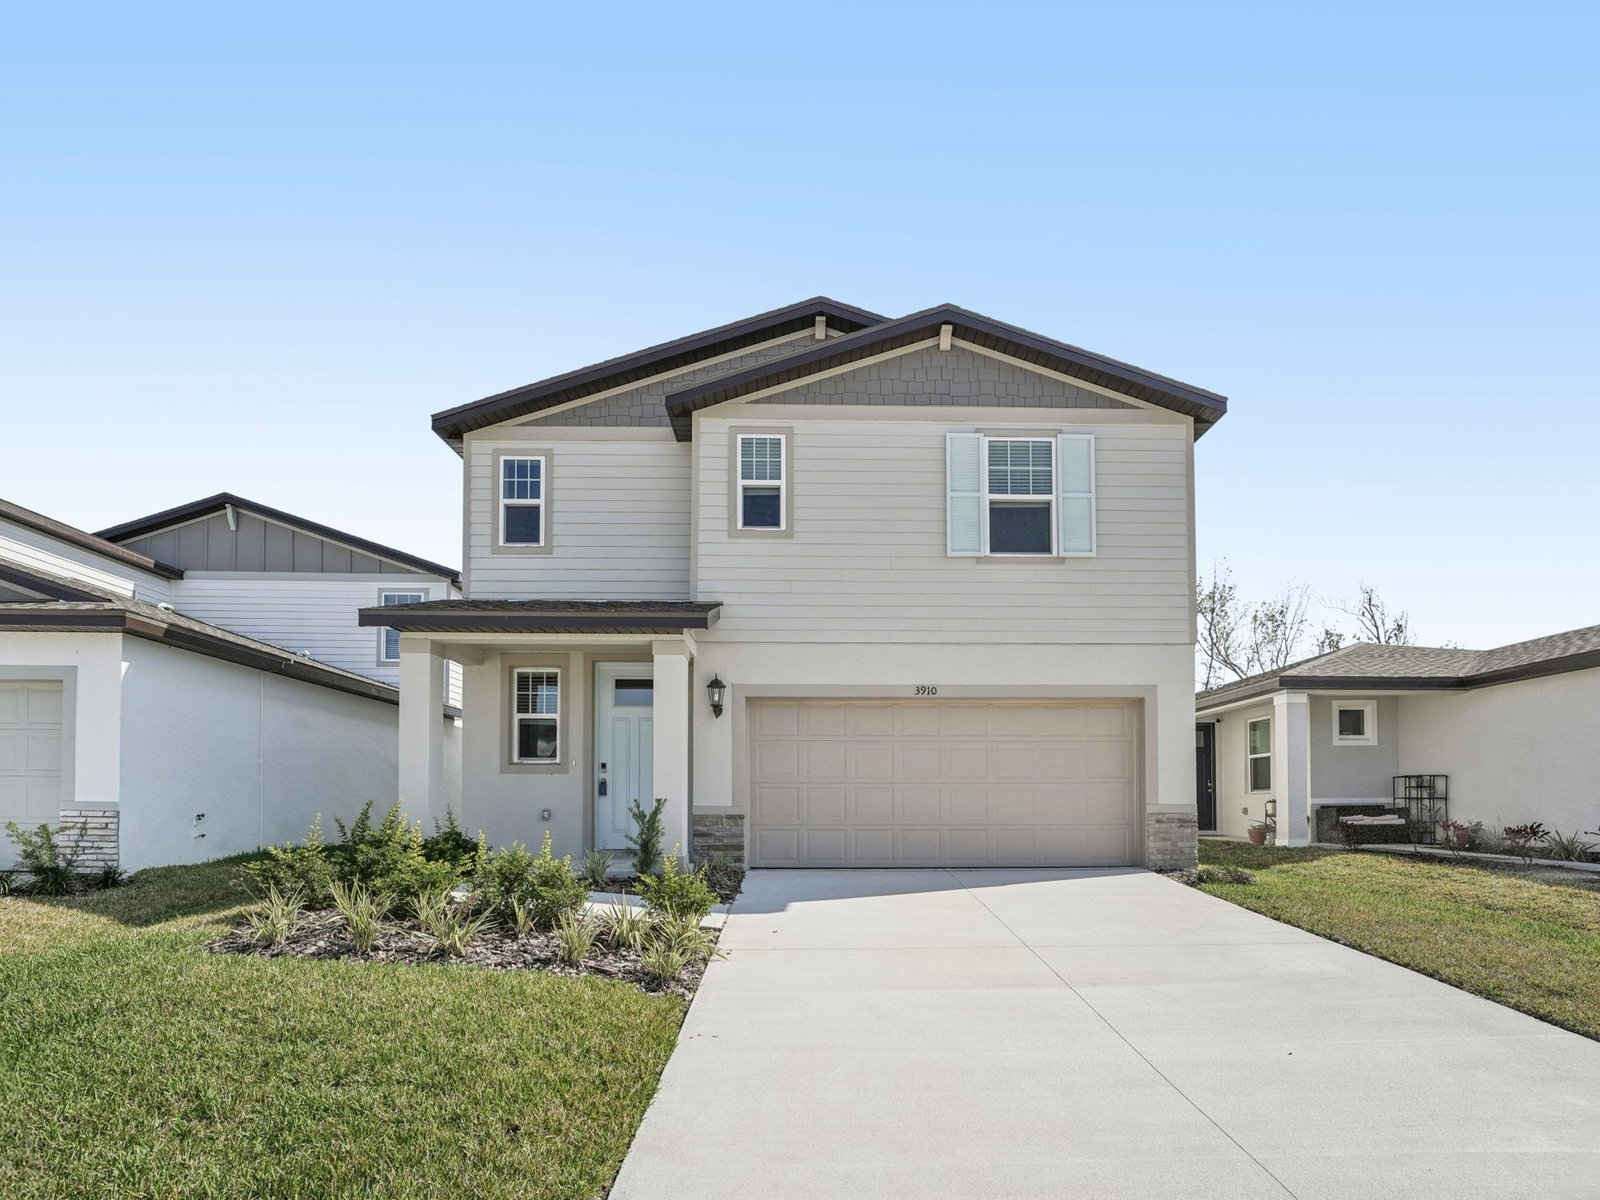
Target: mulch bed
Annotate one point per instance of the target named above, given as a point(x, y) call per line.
point(321, 935)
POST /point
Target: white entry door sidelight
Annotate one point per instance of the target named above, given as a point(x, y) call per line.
point(624, 748)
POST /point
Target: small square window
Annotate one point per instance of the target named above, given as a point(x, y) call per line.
point(1355, 723)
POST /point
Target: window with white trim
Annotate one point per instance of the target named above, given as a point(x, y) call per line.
point(522, 495)
point(389, 639)
point(1022, 495)
point(1011, 496)
point(536, 715)
point(1355, 722)
point(1258, 754)
point(761, 481)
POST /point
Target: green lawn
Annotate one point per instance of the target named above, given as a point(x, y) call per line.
point(134, 1064)
point(1514, 937)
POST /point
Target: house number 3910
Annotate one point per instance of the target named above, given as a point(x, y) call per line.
point(925, 689)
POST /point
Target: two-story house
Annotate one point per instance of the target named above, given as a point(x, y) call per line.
point(843, 590)
point(196, 683)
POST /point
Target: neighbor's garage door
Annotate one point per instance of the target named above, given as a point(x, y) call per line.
point(942, 783)
point(30, 755)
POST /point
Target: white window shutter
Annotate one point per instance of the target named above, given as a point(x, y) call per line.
point(1075, 509)
point(963, 481)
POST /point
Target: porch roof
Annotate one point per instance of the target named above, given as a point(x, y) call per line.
point(545, 616)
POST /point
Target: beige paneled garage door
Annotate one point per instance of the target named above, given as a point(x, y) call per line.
point(942, 783)
point(30, 756)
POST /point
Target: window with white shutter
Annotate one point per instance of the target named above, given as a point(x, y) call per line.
point(1075, 506)
point(964, 494)
point(1008, 496)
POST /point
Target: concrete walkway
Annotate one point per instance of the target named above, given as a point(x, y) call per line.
point(987, 1034)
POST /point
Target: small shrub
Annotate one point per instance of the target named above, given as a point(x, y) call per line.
point(662, 962)
point(361, 911)
point(448, 926)
point(1351, 836)
point(557, 892)
point(8, 882)
point(594, 868)
point(275, 918)
point(389, 858)
point(646, 837)
point(110, 876)
point(521, 917)
point(502, 877)
point(41, 855)
point(305, 870)
point(677, 894)
point(1524, 840)
point(1569, 847)
point(1483, 840)
point(575, 935)
point(449, 844)
point(624, 927)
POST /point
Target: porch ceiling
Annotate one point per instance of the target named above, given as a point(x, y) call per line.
point(545, 616)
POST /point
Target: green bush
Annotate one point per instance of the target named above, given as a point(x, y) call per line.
point(542, 885)
point(680, 895)
point(646, 837)
point(449, 844)
point(305, 870)
point(41, 855)
point(388, 858)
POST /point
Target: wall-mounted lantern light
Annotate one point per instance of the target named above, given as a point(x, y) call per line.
point(717, 691)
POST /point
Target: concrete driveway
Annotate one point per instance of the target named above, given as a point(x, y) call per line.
point(1092, 1033)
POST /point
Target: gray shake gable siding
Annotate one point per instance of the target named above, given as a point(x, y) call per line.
point(645, 406)
point(934, 377)
point(258, 545)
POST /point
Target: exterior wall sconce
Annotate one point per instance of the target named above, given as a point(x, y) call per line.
point(717, 691)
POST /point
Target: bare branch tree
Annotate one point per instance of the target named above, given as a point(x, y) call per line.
point(1376, 622)
point(1277, 627)
point(1222, 620)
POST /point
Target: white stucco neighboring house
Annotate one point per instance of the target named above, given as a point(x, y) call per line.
point(842, 590)
point(197, 683)
point(1507, 736)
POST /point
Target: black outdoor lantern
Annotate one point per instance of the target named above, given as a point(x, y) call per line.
point(716, 690)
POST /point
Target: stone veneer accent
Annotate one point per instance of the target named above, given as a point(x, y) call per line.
point(1171, 841)
point(719, 833)
point(92, 833)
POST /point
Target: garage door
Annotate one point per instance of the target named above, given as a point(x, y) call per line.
point(958, 783)
point(30, 755)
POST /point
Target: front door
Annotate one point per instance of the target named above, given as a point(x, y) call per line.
point(624, 748)
point(1205, 775)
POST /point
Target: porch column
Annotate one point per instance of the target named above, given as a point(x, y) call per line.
point(671, 746)
point(421, 729)
point(1291, 766)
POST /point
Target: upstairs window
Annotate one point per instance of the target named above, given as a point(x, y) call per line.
point(761, 481)
point(536, 716)
point(1016, 496)
point(522, 501)
point(389, 639)
point(1022, 495)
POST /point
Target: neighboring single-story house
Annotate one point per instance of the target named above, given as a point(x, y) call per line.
point(1504, 736)
point(170, 712)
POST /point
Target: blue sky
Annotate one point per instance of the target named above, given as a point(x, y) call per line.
point(253, 250)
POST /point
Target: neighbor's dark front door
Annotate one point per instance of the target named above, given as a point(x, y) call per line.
point(1205, 774)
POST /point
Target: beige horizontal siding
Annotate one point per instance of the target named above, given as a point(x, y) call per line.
point(618, 522)
point(867, 559)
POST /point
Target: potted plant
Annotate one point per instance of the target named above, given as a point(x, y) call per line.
point(1258, 833)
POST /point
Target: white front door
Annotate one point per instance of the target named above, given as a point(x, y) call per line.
point(624, 748)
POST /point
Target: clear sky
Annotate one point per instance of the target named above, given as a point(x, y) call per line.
point(252, 249)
